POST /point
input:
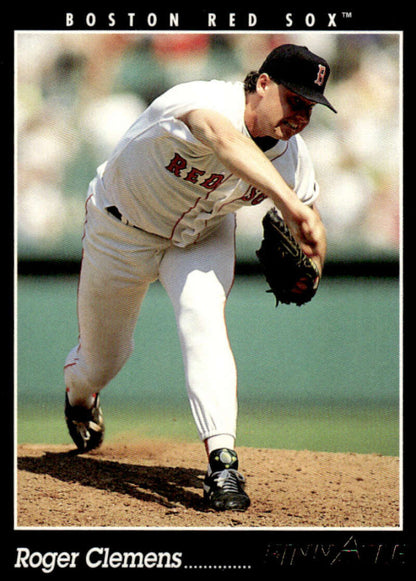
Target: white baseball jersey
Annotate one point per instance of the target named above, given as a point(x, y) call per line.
point(166, 182)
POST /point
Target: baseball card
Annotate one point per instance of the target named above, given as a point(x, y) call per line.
point(208, 286)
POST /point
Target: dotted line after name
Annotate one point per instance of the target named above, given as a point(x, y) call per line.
point(236, 567)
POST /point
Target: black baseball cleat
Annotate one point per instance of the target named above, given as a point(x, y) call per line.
point(86, 426)
point(223, 484)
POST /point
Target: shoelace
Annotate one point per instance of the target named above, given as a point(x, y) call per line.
point(83, 430)
point(229, 480)
point(85, 427)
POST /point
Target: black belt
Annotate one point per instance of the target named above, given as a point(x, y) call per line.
point(114, 211)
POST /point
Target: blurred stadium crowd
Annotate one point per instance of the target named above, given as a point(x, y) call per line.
point(76, 94)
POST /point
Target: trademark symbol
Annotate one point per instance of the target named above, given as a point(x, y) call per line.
point(347, 15)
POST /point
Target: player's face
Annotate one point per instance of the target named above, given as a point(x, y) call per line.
point(281, 113)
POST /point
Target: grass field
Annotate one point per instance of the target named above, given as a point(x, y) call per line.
point(323, 377)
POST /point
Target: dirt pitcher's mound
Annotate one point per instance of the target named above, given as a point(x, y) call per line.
point(159, 484)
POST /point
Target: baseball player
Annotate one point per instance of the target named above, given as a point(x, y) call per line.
point(162, 207)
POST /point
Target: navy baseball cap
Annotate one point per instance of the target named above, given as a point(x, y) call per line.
point(299, 70)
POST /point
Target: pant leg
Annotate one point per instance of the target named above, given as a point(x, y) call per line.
point(118, 265)
point(198, 280)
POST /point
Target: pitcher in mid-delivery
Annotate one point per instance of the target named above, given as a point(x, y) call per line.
point(163, 207)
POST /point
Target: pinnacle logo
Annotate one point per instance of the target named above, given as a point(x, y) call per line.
point(321, 75)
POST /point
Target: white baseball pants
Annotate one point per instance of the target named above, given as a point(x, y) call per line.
point(118, 264)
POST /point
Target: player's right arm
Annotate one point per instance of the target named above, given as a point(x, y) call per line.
point(243, 158)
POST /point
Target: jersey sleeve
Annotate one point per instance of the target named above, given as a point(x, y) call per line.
point(225, 98)
point(306, 186)
point(219, 96)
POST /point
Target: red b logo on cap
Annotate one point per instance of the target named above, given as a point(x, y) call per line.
point(321, 75)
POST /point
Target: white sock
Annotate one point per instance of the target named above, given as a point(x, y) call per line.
point(220, 441)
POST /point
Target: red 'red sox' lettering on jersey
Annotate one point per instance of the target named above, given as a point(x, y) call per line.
point(179, 163)
point(254, 196)
point(179, 166)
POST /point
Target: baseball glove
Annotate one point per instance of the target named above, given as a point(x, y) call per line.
point(284, 263)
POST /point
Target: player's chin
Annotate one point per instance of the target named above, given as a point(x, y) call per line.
point(284, 131)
